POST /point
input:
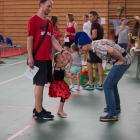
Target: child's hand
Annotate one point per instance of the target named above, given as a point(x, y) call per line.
point(74, 77)
point(68, 70)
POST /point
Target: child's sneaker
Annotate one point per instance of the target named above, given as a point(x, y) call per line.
point(78, 88)
point(98, 86)
point(34, 110)
point(43, 116)
point(71, 86)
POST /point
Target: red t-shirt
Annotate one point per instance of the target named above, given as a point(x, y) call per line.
point(36, 28)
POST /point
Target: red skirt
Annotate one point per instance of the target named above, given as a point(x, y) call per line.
point(59, 89)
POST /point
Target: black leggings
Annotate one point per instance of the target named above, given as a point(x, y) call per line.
point(62, 100)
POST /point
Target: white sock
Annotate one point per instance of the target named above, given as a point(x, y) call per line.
point(71, 86)
point(78, 87)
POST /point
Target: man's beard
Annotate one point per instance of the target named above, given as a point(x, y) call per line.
point(45, 12)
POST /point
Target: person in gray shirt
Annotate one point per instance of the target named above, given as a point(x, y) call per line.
point(75, 65)
point(124, 34)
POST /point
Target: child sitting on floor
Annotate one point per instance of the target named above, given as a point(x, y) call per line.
point(59, 88)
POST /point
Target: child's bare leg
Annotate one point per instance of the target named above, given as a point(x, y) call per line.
point(60, 109)
point(78, 81)
point(71, 81)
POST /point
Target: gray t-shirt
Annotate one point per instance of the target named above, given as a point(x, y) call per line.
point(123, 35)
point(76, 60)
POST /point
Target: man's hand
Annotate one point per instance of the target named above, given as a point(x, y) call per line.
point(31, 63)
point(67, 55)
point(121, 62)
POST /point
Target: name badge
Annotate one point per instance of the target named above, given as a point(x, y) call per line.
point(42, 33)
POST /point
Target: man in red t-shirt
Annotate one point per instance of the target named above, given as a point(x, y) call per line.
point(43, 59)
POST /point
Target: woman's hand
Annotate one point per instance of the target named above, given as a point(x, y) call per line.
point(66, 34)
point(122, 28)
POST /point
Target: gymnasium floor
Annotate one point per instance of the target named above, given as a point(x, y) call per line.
point(84, 109)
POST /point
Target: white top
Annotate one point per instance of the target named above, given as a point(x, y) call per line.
point(87, 27)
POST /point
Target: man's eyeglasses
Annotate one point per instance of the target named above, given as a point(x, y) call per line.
point(81, 47)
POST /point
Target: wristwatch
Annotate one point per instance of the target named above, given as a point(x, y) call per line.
point(62, 51)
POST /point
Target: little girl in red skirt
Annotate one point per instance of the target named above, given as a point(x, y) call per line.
point(59, 88)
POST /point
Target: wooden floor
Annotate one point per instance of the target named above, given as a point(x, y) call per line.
point(84, 109)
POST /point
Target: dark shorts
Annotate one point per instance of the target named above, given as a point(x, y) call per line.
point(44, 75)
point(123, 45)
point(68, 44)
point(94, 58)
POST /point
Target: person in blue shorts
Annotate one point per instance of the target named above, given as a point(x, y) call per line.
point(75, 65)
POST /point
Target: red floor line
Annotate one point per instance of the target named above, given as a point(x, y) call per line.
point(23, 130)
point(21, 107)
point(15, 135)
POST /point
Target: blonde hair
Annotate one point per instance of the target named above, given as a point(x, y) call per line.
point(75, 48)
point(55, 56)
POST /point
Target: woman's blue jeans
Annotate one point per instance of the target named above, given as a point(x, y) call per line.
point(111, 89)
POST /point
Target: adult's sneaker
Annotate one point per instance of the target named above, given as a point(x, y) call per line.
point(47, 112)
point(43, 116)
point(83, 86)
point(98, 86)
point(89, 87)
point(108, 118)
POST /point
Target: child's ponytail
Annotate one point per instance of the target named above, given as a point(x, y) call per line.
point(55, 56)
